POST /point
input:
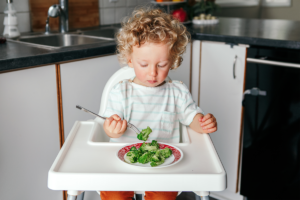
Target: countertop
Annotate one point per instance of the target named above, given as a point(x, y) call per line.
point(267, 33)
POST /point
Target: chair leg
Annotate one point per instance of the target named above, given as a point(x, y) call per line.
point(139, 197)
point(71, 197)
point(197, 197)
point(78, 197)
point(81, 196)
point(204, 198)
point(201, 195)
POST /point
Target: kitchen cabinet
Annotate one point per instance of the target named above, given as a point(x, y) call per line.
point(222, 69)
point(183, 72)
point(82, 83)
point(29, 133)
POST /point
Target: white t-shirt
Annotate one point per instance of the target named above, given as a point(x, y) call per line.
point(161, 108)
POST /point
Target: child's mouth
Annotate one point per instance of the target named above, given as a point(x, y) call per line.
point(152, 82)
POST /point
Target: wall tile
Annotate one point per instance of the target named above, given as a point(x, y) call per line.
point(24, 22)
point(144, 2)
point(21, 5)
point(2, 6)
point(107, 15)
point(1, 23)
point(120, 14)
point(100, 3)
point(129, 10)
point(120, 3)
point(131, 3)
point(107, 4)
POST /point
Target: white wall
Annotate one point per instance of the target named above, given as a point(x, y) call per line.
point(23, 15)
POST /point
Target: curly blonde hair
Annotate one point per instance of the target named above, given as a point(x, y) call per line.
point(153, 26)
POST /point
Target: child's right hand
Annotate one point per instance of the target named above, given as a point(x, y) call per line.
point(114, 127)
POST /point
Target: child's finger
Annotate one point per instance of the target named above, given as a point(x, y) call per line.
point(209, 121)
point(112, 125)
point(207, 116)
point(116, 117)
point(201, 117)
point(108, 121)
point(211, 125)
point(118, 127)
point(124, 126)
point(211, 130)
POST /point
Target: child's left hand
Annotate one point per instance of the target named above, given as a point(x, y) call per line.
point(208, 123)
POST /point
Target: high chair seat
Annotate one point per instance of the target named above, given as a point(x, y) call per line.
point(88, 162)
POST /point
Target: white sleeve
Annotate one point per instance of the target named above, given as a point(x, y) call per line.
point(188, 109)
point(114, 103)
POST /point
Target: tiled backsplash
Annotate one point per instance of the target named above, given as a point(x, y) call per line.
point(111, 11)
point(114, 12)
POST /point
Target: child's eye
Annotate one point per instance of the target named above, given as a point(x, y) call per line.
point(143, 65)
point(161, 66)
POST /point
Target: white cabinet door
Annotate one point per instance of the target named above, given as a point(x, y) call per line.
point(182, 73)
point(82, 83)
point(29, 133)
point(221, 90)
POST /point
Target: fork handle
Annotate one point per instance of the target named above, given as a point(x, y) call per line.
point(129, 125)
point(88, 111)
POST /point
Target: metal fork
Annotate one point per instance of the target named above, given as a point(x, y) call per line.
point(129, 125)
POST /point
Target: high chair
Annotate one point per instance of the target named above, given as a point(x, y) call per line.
point(88, 162)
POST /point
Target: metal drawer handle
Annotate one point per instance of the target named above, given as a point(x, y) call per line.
point(270, 62)
point(235, 58)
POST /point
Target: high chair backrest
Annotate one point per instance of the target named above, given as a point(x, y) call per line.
point(121, 74)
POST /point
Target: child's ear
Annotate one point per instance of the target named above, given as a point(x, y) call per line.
point(129, 62)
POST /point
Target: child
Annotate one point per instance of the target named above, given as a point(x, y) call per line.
point(152, 42)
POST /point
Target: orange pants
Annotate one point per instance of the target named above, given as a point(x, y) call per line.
point(128, 195)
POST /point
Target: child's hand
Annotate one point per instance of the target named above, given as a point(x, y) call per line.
point(208, 123)
point(114, 127)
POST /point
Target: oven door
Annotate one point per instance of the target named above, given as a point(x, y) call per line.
point(271, 138)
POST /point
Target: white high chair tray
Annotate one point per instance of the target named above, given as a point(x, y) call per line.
point(85, 163)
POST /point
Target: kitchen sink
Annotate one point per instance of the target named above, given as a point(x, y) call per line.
point(60, 40)
point(109, 32)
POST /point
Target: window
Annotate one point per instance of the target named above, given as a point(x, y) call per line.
point(276, 3)
point(237, 3)
point(265, 3)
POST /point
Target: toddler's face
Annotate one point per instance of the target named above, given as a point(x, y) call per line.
point(151, 63)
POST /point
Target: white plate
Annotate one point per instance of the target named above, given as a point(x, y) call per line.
point(175, 158)
point(210, 21)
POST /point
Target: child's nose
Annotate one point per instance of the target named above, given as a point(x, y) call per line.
point(153, 71)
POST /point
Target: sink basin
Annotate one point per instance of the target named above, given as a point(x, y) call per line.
point(103, 32)
point(57, 41)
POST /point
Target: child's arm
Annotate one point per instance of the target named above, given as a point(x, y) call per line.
point(204, 124)
point(114, 127)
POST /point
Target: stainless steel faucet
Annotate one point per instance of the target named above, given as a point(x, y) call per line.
point(62, 11)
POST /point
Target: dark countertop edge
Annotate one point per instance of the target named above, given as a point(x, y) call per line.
point(93, 51)
point(54, 58)
point(248, 41)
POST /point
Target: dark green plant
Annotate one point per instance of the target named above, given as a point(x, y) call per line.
point(204, 7)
